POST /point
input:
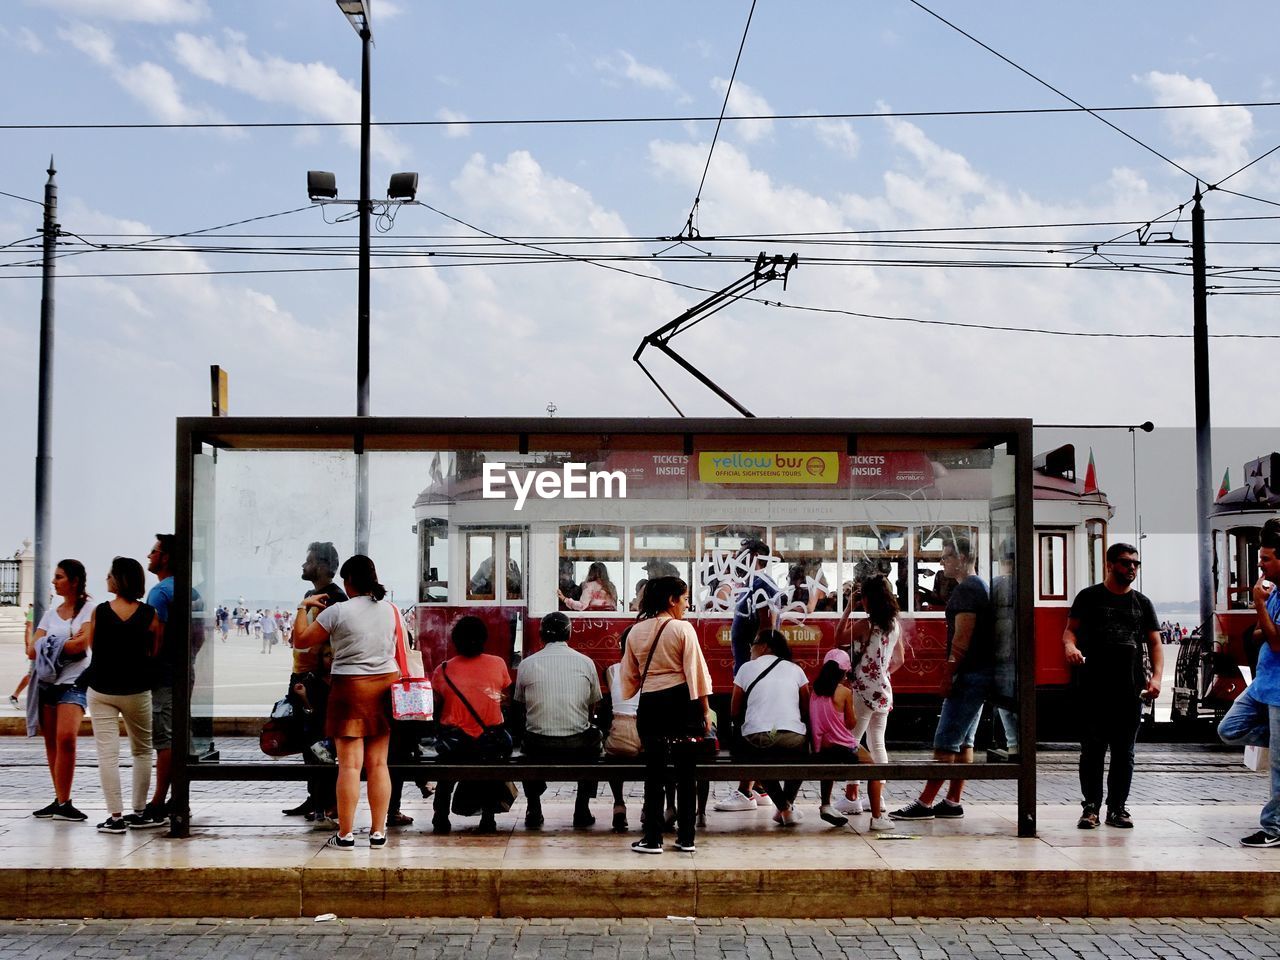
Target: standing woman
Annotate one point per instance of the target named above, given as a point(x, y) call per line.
point(363, 630)
point(125, 636)
point(663, 663)
point(879, 639)
point(59, 647)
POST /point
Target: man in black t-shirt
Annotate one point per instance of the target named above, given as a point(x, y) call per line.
point(966, 685)
point(1106, 629)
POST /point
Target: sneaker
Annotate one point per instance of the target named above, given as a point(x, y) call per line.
point(641, 846)
point(153, 815)
point(882, 823)
point(829, 814)
point(325, 821)
point(760, 797)
point(915, 810)
point(377, 840)
point(736, 802)
point(47, 812)
point(1119, 818)
point(789, 817)
point(583, 820)
point(1260, 839)
point(685, 847)
point(68, 812)
point(1088, 818)
point(701, 821)
point(848, 807)
point(113, 825)
point(341, 842)
point(946, 810)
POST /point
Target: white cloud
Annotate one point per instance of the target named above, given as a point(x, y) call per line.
point(839, 135)
point(743, 101)
point(458, 128)
point(316, 89)
point(382, 10)
point(24, 38)
point(624, 65)
point(137, 11)
point(149, 83)
point(1222, 136)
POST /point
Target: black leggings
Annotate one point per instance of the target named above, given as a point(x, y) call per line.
point(662, 716)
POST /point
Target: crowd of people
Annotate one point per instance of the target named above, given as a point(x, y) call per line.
point(115, 660)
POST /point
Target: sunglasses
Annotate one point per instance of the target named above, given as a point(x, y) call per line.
point(1129, 563)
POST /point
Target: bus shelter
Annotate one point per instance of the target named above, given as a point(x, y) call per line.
point(509, 519)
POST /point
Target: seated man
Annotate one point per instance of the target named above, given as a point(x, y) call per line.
point(558, 686)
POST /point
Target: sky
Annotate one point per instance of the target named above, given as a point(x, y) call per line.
point(482, 335)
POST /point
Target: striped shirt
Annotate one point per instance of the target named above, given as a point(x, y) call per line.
point(558, 686)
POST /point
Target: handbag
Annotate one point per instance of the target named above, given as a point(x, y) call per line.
point(494, 743)
point(411, 697)
point(284, 732)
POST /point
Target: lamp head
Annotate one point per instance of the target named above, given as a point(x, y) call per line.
point(321, 185)
point(403, 186)
point(357, 12)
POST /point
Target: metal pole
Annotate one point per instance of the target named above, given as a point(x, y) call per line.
point(362, 299)
point(1204, 454)
point(44, 408)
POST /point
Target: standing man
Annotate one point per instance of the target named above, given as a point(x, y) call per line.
point(558, 687)
point(310, 682)
point(1254, 718)
point(966, 684)
point(753, 614)
point(156, 813)
point(1107, 627)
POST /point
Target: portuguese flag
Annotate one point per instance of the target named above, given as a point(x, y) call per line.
point(1226, 484)
point(1091, 475)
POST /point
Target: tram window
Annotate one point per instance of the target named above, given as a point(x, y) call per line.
point(870, 549)
point(657, 551)
point(1095, 532)
point(1053, 566)
point(808, 572)
point(480, 563)
point(591, 569)
point(720, 569)
point(1242, 554)
point(433, 540)
point(515, 564)
point(933, 587)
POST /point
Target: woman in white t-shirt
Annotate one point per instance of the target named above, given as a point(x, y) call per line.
point(363, 631)
point(771, 698)
point(59, 648)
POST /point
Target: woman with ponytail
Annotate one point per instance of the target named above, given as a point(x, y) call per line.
point(58, 648)
point(363, 631)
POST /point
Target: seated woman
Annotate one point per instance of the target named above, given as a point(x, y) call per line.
point(469, 690)
point(598, 591)
point(770, 696)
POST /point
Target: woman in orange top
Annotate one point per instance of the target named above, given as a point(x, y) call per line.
point(664, 664)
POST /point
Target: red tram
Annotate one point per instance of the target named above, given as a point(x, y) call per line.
point(473, 559)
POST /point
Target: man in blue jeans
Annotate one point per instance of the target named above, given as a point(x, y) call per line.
point(1255, 716)
point(965, 686)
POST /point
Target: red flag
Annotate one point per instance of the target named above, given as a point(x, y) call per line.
point(1091, 475)
point(1226, 484)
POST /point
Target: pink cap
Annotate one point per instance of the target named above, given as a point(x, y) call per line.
point(841, 658)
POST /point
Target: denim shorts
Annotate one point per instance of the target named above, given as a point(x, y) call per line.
point(55, 694)
point(961, 711)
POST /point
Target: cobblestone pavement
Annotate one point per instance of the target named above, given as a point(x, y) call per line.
point(898, 939)
point(1166, 774)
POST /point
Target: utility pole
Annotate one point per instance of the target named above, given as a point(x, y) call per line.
point(44, 407)
point(1204, 454)
point(362, 297)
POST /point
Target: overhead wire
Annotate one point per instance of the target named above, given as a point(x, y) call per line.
point(1048, 85)
point(697, 198)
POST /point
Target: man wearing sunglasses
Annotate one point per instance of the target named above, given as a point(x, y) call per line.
point(1107, 627)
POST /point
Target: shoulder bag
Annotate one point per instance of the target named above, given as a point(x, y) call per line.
point(410, 696)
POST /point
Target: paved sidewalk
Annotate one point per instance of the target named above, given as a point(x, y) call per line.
point(901, 939)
